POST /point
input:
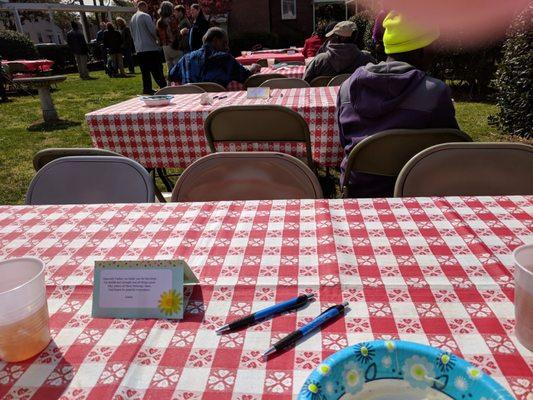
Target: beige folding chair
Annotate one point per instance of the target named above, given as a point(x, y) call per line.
point(285, 83)
point(468, 169)
point(338, 80)
point(43, 157)
point(257, 79)
point(256, 124)
point(246, 176)
point(385, 153)
point(209, 86)
point(321, 81)
point(183, 89)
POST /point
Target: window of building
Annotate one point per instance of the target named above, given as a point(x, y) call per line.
point(288, 9)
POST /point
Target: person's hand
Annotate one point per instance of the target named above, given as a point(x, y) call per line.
point(255, 68)
point(184, 31)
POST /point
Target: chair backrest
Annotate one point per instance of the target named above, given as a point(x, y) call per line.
point(91, 180)
point(285, 83)
point(246, 176)
point(263, 62)
point(338, 80)
point(255, 124)
point(183, 89)
point(43, 157)
point(209, 86)
point(321, 81)
point(257, 79)
point(468, 169)
point(385, 153)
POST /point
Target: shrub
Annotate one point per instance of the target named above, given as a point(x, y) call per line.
point(365, 22)
point(461, 65)
point(15, 45)
point(58, 53)
point(514, 80)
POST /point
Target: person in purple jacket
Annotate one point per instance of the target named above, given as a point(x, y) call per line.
point(394, 94)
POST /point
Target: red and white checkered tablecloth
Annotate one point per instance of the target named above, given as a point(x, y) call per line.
point(434, 271)
point(173, 136)
point(279, 57)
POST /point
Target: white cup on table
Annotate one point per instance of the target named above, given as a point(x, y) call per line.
point(270, 62)
point(24, 330)
point(523, 295)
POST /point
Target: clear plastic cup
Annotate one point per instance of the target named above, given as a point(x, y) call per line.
point(24, 330)
point(523, 295)
point(270, 62)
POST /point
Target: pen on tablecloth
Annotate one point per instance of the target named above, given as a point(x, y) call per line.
point(291, 304)
point(293, 337)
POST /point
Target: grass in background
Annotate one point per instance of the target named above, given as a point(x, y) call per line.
point(21, 134)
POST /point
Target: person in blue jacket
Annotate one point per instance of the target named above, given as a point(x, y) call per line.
point(211, 63)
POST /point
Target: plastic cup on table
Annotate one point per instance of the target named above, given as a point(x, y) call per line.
point(24, 330)
point(270, 62)
point(523, 295)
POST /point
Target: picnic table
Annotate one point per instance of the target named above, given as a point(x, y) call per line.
point(281, 56)
point(173, 136)
point(32, 65)
point(436, 271)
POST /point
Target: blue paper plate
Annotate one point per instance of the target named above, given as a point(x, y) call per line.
point(399, 370)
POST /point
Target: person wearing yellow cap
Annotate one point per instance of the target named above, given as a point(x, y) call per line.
point(394, 94)
point(341, 55)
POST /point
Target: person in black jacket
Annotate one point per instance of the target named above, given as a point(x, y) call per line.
point(113, 45)
point(198, 28)
point(128, 47)
point(77, 44)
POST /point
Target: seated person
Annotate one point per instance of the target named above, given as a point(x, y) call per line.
point(314, 43)
point(211, 63)
point(342, 56)
point(394, 94)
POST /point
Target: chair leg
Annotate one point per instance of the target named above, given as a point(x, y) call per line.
point(162, 173)
point(157, 192)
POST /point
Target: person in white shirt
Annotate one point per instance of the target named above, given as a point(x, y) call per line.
point(148, 51)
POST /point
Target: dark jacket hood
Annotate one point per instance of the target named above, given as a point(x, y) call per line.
point(375, 90)
point(342, 55)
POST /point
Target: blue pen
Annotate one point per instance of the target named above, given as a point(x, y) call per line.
point(291, 304)
point(292, 338)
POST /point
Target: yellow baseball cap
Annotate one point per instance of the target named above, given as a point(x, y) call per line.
point(402, 36)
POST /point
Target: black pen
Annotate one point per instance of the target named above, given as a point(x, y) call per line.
point(293, 337)
point(291, 304)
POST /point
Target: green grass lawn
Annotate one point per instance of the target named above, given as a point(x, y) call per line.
point(21, 134)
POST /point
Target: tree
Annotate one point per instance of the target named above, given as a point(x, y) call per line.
point(215, 7)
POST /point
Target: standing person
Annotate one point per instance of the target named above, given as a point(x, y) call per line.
point(77, 44)
point(100, 42)
point(183, 23)
point(394, 94)
point(198, 29)
point(127, 44)
point(168, 33)
point(113, 45)
point(314, 43)
point(148, 51)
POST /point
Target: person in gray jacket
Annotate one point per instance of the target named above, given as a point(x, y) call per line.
point(148, 51)
point(341, 56)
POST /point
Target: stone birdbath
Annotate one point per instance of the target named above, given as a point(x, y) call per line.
point(43, 84)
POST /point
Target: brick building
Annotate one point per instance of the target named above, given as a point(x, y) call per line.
point(292, 18)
